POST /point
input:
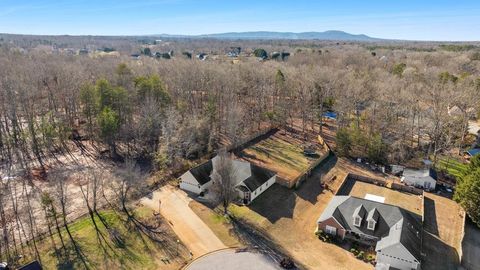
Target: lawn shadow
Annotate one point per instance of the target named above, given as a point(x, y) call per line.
point(438, 255)
point(73, 259)
point(312, 187)
point(279, 202)
point(430, 216)
point(275, 203)
point(347, 187)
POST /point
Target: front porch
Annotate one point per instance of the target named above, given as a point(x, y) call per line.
point(245, 195)
point(361, 238)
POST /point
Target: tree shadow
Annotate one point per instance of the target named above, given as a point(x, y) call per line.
point(73, 258)
point(430, 216)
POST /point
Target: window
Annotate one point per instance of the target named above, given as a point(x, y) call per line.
point(331, 230)
point(371, 225)
point(357, 221)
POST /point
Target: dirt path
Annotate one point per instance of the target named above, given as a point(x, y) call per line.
point(191, 230)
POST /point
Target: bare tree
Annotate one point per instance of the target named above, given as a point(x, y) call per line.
point(224, 179)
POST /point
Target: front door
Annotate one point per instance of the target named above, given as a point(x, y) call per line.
point(246, 197)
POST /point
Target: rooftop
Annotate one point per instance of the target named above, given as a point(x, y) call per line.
point(393, 224)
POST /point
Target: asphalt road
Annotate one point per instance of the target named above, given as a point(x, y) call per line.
point(232, 260)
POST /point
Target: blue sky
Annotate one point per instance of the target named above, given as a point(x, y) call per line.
point(408, 19)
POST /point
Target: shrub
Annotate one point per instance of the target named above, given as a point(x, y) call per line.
point(370, 257)
point(360, 255)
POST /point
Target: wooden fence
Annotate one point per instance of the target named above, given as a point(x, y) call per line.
point(378, 182)
point(408, 189)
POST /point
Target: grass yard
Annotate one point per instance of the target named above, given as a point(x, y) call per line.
point(452, 166)
point(289, 218)
point(120, 247)
point(443, 235)
point(217, 223)
point(405, 200)
point(279, 152)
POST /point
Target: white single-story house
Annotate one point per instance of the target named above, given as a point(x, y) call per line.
point(251, 180)
point(425, 178)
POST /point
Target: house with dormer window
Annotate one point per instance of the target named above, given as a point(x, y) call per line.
point(394, 232)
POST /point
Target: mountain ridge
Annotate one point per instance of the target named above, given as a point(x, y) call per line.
point(326, 35)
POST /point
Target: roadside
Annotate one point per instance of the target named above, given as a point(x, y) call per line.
point(191, 230)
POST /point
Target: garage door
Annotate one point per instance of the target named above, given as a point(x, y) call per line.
point(331, 230)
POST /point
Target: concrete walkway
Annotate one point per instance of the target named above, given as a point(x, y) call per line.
point(191, 230)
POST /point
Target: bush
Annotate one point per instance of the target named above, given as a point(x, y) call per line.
point(370, 257)
point(360, 255)
point(398, 69)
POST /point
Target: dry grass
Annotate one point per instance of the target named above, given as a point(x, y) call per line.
point(281, 152)
point(443, 236)
point(289, 218)
point(217, 223)
point(135, 250)
point(404, 200)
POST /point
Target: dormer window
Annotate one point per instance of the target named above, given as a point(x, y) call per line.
point(357, 222)
point(372, 219)
point(371, 225)
point(358, 215)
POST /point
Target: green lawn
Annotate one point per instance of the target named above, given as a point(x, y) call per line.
point(452, 166)
point(121, 246)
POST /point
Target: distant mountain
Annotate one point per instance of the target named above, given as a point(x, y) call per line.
point(327, 35)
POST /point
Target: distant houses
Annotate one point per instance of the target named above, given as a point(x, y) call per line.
point(202, 56)
point(394, 232)
point(250, 180)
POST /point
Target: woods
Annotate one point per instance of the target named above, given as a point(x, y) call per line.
point(151, 114)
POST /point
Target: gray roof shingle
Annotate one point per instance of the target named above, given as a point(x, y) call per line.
point(202, 172)
point(258, 177)
point(393, 224)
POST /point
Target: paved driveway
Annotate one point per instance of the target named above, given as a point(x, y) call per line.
point(231, 260)
point(191, 230)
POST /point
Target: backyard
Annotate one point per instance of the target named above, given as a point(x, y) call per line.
point(444, 229)
point(289, 216)
point(282, 152)
point(451, 166)
point(405, 200)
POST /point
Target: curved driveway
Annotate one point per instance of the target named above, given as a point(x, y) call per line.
point(191, 230)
